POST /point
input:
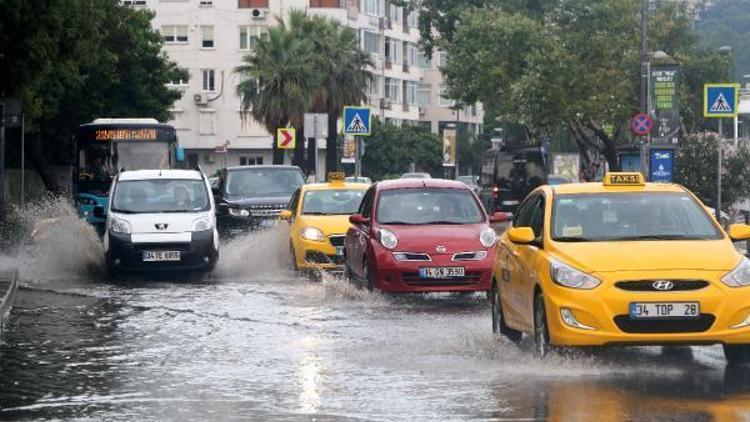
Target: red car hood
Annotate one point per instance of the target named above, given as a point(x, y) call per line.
point(455, 238)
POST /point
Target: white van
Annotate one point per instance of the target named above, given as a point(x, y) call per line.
point(161, 220)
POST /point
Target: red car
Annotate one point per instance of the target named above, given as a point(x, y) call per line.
point(421, 235)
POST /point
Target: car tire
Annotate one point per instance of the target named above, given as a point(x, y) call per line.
point(293, 257)
point(498, 320)
point(737, 354)
point(367, 276)
point(542, 346)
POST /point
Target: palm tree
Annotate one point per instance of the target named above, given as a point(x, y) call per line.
point(278, 82)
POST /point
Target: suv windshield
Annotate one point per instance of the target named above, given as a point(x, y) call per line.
point(160, 195)
point(263, 182)
point(428, 206)
point(630, 216)
point(332, 202)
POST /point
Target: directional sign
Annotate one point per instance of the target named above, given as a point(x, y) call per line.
point(357, 121)
point(641, 124)
point(720, 100)
point(286, 138)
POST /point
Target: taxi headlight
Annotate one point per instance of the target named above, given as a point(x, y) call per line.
point(739, 276)
point(567, 276)
point(118, 225)
point(488, 237)
point(387, 239)
point(312, 233)
point(239, 212)
point(202, 224)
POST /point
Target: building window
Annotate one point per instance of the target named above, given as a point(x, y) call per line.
point(422, 61)
point(249, 4)
point(209, 80)
point(393, 50)
point(371, 7)
point(393, 90)
point(134, 2)
point(249, 36)
point(174, 34)
point(206, 3)
point(207, 122)
point(412, 19)
point(207, 36)
point(395, 14)
point(371, 42)
point(411, 54)
point(424, 93)
point(411, 92)
point(251, 161)
point(372, 87)
point(444, 100)
point(178, 83)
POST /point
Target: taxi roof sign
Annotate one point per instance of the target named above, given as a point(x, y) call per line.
point(336, 176)
point(624, 179)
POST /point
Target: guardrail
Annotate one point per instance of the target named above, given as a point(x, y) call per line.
point(8, 288)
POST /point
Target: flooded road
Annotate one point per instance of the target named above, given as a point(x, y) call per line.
point(253, 342)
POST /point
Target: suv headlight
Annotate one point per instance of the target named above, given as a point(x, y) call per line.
point(202, 224)
point(238, 212)
point(567, 276)
point(312, 233)
point(739, 276)
point(118, 225)
point(488, 237)
point(387, 239)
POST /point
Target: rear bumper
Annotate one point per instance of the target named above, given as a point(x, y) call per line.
point(124, 255)
point(403, 277)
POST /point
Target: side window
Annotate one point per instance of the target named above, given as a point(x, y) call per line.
point(294, 201)
point(365, 208)
point(525, 212)
point(537, 217)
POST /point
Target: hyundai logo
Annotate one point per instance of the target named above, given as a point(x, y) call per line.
point(161, 226)
point(441, 249)
point(662, 285)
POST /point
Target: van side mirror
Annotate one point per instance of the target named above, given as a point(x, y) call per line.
point(99, 212)
point(358, 220)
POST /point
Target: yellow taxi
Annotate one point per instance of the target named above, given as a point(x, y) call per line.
point(621, 262)
point(318, 217)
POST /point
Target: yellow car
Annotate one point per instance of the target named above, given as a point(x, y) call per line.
point(622, 262)
point(318, 218)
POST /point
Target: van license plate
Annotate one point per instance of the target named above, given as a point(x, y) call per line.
point(441, 272)
point(663, 310)
point(157, 256)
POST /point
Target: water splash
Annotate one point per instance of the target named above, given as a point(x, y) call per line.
point(256, 255)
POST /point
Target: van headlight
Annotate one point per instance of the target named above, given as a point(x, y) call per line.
point(118, 225)
point(567, 276)
point(739, 276)
point(488, 237)
point(387, 239)
point(202, 224)
point(239, 212)
point(312, 233)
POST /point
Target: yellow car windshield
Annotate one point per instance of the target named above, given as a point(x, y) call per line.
point(630, 216)
point(332, 202)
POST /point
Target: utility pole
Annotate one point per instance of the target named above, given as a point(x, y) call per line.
point(2, 161)
point(645, 70)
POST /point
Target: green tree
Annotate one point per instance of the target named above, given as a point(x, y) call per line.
point(728, 23)
point(696, 169)
point(71, 62)
point(391, 150)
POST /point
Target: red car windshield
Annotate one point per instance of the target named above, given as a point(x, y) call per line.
point(428, 206)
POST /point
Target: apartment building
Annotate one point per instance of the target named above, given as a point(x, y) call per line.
point(210, 38)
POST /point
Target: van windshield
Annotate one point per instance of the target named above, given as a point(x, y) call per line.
point(160, 195)
point(250, 183)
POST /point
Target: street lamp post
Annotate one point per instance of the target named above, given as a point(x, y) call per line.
point(725, 49)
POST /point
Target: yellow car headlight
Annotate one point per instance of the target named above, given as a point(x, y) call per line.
point(567, 276)
point(312, 233)
point(739, 276)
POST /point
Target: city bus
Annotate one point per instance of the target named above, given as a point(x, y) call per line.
point(106, 146)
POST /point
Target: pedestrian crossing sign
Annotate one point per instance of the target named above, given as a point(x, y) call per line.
point(357, 121)
point(720, 100)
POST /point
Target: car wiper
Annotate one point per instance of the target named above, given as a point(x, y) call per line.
point(662, 237)
point(445, 222)
point(175, 211)
point(397, 223)
point(574, 239)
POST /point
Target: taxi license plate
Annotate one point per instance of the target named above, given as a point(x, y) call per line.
point(441, 272)
point(664, 310)
point(339, 251)
point(157, 256)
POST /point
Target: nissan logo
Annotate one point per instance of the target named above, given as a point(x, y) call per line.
point(161, 226)
point(440, 249)
point(662, 285)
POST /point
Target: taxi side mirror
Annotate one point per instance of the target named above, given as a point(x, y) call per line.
point(739, 232)
point(285, 215)
point(499, 217)
point(521, 235)
point(358, 219)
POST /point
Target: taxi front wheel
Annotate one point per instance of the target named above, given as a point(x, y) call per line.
point(542, 344)
point(498, 321)
point(737, 354)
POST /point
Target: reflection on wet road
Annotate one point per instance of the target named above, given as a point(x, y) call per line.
point(254, 345)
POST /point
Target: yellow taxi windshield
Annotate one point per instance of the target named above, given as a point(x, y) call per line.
point(630, 216)
point(332, 202)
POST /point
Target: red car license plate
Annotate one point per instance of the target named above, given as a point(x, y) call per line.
point(441, 272)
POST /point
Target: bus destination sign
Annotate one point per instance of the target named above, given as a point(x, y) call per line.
point(125, 134)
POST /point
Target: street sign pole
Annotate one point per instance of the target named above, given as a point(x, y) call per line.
point(23, 160)
point(2, 161)
point(358, 159)
point(718, 173)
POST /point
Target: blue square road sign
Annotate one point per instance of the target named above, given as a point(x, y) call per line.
point(720, 100)
point(357, 121)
